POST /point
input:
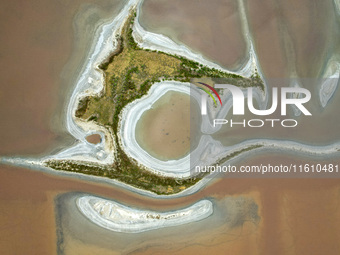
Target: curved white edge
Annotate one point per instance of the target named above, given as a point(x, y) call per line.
point(337, 6)
point(267, 144)
point(330, 82)
point(153, 41)
point(120, 218)
point(203, 154)
point(127, 135)
point(127, 131)
point(91, 82)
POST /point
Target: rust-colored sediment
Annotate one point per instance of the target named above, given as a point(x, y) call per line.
point(95, 138)
point(35, 46)
point(212, 28)
point(164, 130)
point(297, 216)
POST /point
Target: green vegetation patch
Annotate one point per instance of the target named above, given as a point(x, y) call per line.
point(130, 174)
point(129, 73)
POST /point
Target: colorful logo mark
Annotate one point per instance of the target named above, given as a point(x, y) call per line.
point(209, 93)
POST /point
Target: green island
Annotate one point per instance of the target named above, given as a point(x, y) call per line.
point(129, 73)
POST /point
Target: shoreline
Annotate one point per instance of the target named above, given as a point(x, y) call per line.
point(116, 217)
point(268, 145)
point(102, 153)
point(91, 81)
point(127, 137)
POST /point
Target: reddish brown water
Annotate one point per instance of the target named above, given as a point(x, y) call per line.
point(292, 35)
point(212, 28)
point(164, 130)
point(298, 216)
point(95, 138)
point(37, 41)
